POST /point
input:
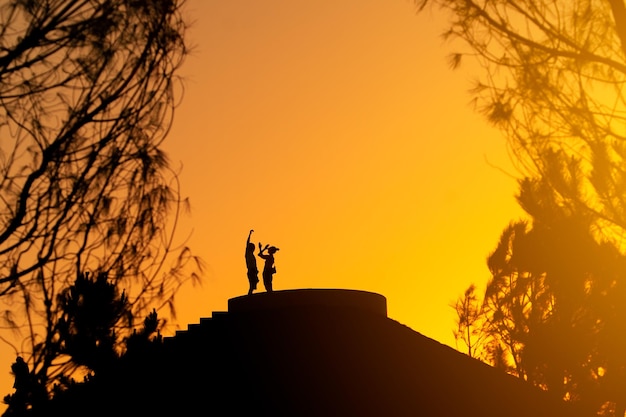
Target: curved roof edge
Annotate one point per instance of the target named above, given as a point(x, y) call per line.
point(310, 298)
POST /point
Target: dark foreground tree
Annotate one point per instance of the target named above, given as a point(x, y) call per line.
point(87, 94)
point(92, 311)
point(553, 81)
point(553, 312)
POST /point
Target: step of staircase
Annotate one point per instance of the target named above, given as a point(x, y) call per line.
point(197, 328)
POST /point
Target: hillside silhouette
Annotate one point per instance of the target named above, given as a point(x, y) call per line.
point(309, 352)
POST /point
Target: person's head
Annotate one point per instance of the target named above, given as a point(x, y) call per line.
point(251, 247)
point(272, 249)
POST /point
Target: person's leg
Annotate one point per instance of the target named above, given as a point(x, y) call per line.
point(267, 283)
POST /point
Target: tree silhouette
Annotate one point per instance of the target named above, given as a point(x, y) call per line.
point(87, 96)
point(91, 309)
point(553, 81)
point(86, 339)
point(553, 311)
point(469, 315)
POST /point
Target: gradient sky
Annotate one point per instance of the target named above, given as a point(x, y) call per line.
point(335, 130)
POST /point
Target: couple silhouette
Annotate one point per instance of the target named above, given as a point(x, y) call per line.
point(269, 269)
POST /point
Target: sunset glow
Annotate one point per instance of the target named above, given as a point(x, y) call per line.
point(338, 132)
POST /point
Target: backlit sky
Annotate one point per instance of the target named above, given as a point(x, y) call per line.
point(336, 130)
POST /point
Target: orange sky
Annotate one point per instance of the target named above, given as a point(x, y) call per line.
point(335, 130)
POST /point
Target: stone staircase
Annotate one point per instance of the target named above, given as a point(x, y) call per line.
point(206, 326)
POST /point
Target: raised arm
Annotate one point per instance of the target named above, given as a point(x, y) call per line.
point(249, 234)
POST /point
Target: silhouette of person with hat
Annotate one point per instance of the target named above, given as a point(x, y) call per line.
point(269, 269)
point(253, 271)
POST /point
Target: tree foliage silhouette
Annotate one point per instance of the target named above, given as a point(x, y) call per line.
point(91, 311)
point(553, 311)
point(553, 81)
point(468, 321)
point(86, 338)
point(87, 96)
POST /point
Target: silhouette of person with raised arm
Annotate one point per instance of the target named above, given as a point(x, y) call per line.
point(253, 271)
point(268, 269)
